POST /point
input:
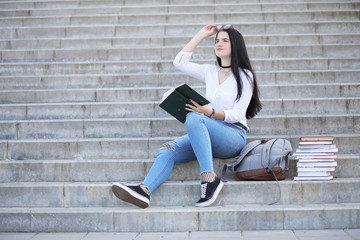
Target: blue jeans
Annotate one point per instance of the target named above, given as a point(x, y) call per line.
point(206, 138)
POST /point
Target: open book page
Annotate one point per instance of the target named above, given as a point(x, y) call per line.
point(167, 93)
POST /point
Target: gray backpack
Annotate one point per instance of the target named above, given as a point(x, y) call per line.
point(264, 160)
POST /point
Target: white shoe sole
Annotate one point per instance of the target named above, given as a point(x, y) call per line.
point(128, 195)
point(214, 197)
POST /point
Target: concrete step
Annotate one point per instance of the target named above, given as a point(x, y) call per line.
point(125, 148)
point(81, 110)
point(14, 10)
point(178, 41)
point(144, 94)
point(132, 80)
point(309, 90)
point(134, 170)
point(97, 195)
point(345, 234)
point(305, 124)
point(163, 53)
point(136, 30)
point(185, 17)
point(106, 110)
point(259, 217)
point(161, 66)
point(63, 184)
point(305, 106)
point(161, 127)
point(140, 4)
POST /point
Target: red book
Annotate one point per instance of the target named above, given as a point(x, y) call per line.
point(317, 138)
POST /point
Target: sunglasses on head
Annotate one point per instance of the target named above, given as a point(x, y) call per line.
point(220, 27)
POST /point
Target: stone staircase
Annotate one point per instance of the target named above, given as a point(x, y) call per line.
point(80, 84)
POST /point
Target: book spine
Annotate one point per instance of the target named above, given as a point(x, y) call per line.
point(319, 164)
point(316, 169)
point(313, 178)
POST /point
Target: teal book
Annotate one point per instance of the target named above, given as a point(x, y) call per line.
point(174, 100)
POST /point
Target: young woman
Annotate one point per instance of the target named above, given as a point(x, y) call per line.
point(218, 129)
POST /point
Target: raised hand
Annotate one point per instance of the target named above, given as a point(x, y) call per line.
point(207, 31)
point(204, 32)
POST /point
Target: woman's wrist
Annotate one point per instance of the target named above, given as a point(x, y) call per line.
point(200, 36)
point(212, 114)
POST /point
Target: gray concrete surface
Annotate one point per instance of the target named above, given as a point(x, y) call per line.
point(334, 234)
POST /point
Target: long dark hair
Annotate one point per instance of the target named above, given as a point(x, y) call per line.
point(240, 59)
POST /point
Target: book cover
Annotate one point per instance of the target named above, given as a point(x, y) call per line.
point(313, 174)
point(316, 169)
point(174, 100)
point(316, 164)
point(326, 154)
point(316, 157)
point(317, 150)
point(317, 138)
point(316, 143)
point(312, 178)
point(316, 160)
point(317, 146)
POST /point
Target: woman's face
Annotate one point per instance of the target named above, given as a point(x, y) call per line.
point(222, 45)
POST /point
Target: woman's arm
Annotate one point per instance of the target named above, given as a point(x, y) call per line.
point(182, 59)
point(205, 32)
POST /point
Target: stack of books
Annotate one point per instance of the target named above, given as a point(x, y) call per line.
point(316, 158)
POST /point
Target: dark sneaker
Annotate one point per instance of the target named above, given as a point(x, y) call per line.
point(209, 192)
point(131, 194)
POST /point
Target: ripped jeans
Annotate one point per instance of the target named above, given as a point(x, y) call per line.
point(206, 138)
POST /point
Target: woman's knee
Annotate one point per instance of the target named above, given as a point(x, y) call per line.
point(168, 148)
point(166, 153)
point(193, 117)
point(178, 150)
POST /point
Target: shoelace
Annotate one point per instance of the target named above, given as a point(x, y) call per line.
point(203, 190)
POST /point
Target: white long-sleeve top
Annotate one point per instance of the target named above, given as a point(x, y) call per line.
point(221, 96)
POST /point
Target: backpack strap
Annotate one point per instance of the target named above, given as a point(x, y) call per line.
point(284, 154)
point(278, 184)
point(266, 156)
point(245, 151)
